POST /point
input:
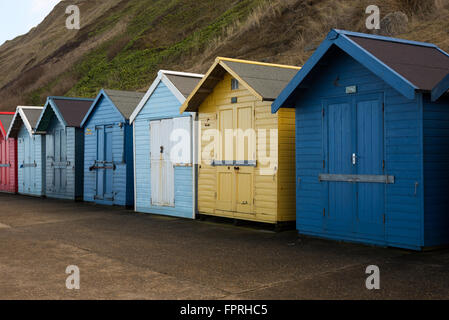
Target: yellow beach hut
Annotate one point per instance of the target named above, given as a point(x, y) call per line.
point(246, 156)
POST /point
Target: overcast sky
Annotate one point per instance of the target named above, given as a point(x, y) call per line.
point(17, 17)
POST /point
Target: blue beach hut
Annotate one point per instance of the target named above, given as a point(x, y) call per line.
point(30, 151)
point(60, 122)
point(372, 141)
point(165, 180)
point(108, 148)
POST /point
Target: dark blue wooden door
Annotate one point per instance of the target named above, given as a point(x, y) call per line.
point(109, 171)
point(369, 161)
point(340, 138)
point(99, 163)
point(354, 142)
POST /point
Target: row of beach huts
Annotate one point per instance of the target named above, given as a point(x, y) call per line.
point(353, 146)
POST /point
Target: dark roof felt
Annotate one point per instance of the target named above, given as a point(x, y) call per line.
point(184, 84)
point(268, 81)
point(73, 111)
point(423, 66)
point(5, 120)
point(33, 116)
point(125, 101)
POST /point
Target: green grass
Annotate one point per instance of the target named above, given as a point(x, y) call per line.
point(190, 26)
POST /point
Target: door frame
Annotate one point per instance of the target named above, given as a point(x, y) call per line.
point(325, 196)
point(235, 166)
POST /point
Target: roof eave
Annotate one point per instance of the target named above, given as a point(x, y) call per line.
point(440, 89)
point(102, 93)
point(186, 105)
point(341, 40)
point(146, 97)
point(55, 109)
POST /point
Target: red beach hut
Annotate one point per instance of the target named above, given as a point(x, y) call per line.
point(8, 155)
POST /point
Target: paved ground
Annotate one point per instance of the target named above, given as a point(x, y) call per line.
point(124, 255)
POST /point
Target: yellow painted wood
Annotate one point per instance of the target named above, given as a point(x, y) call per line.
point(265, 193)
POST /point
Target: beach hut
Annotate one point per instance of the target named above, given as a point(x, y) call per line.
point(108, 148)
point(246, 153)
point(30, 151)
point(165, 180)
point(372, 141)
point(8, 155)
point(60, 123)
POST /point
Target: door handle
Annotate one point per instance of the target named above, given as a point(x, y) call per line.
point(237, 168)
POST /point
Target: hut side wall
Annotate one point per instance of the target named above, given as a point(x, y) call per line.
point(436, 173)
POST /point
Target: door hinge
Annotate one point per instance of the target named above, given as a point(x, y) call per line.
point(324, 212)
point(383, 164)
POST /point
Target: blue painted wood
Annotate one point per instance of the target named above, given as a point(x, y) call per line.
point(116, 188)
point(396, 138)
point(370, 155)
point(341, 203)
point(161, 105)
point(436, 173)
point(31, 167)
point(440, 89)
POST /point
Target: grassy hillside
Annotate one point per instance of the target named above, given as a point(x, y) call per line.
point(123, 43)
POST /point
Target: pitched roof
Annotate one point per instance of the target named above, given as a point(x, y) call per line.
point(5, 122)
point(181, 84)
point(125, 101)
point(264, 80)
point(424, 66)
point(69, 111)
point(184, 84)
point(32, 115)
point(407, 66)
point(73, 110)
point(26, 115)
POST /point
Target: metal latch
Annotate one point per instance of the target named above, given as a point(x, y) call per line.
point(354, 159)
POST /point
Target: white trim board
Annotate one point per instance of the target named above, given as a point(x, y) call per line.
point(26, 122)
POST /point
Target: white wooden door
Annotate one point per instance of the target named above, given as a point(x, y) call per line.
point(162, 170)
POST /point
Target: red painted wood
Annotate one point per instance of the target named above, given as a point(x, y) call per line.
point(8, 155)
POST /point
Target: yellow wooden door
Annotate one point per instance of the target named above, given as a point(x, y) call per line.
point(236, 159)
point(244, 193)
point(245, 156)
point(225, 176)
point(225, 188)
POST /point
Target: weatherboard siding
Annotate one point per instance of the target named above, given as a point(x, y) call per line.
point(106, 114)
point(436, 174)
point(12, 145)
point(161, 105)
point(8, 150)
point(402, 151)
